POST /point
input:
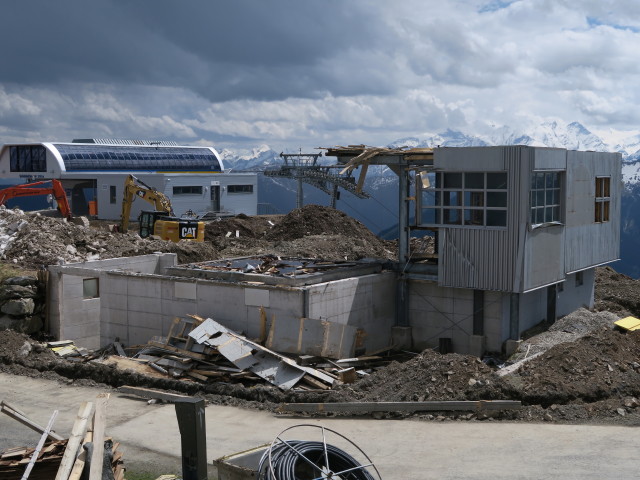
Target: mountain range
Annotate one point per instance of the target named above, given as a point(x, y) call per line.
point(379, 213)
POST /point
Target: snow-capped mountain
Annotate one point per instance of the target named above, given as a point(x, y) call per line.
point(574, 136)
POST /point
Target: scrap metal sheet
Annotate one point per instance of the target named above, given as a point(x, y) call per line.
point(247, 355)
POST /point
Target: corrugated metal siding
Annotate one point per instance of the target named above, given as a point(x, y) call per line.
point(490, 259)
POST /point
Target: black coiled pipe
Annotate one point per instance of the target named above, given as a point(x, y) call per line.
point(303, 460)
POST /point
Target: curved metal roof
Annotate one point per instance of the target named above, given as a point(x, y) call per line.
point(77, 157)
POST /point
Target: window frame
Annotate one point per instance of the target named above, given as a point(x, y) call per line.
point(474, 199)
point(539, 203)
point(85, 288)
point(242, 189)
point(181, 190)
point(602, 207)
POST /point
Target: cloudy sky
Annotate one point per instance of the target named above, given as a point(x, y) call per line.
point(300, 73)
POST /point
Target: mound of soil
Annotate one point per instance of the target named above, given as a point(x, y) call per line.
point(601, 365)
point(617, 293)
point(428, 376)
point(318, 220)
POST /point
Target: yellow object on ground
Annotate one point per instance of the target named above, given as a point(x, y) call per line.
point(628, 323)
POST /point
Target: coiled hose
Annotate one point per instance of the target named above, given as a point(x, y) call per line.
point(304, 460)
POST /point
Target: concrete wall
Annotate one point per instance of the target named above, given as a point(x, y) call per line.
point(366, 302)
point(442, 312)
point(74, 317)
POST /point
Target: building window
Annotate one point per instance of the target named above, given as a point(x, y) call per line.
point(471, 198)
point(579, 278)
point(545, 198)
point(240, 189)
point(603, 199)
point(28, 158)
point(187, 190)
point(90, 288)
point(112, 194)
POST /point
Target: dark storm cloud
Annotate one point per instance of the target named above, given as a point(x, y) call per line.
point(220, 49)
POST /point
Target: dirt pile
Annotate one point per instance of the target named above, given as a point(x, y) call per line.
point(312, 231)
point(604, 364)
point(32, 240)
point(428, 376)
point(566, 329)
point(617, 293)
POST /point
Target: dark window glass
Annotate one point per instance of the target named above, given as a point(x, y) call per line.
point(497, 181)
point(496, 199)
point(496, 218)
point(452, 180)
point(188, 190)
point(240, 189)
point(474, 181)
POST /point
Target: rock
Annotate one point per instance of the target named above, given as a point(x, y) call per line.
point(8, 323)
point(23, 281)
point(71, 250)
point(25, 349)
point(19, 307)
point(81, 221)
point(9, 292)
point(621, 411)
point(472, 382)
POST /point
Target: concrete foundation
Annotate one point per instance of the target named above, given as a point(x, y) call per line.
point(349, 309)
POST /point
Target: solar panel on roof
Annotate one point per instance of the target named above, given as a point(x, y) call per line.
point(107, 157)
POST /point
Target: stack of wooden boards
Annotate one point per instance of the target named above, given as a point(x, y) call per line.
point(86, 452)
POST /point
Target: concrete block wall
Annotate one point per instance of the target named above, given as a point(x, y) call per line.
point(442, 312)
point(81, 314)
point(71, 316)
point(138, 307)
point(366, 302)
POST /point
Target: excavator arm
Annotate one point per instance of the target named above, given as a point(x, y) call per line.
point(134, 187)
point(36, 188)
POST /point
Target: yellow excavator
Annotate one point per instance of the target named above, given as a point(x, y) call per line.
point(160, 222)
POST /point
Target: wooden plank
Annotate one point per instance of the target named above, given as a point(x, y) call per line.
point(149, 393)
point(36, 452)
point(99, 424)
point(77, 434)
point(17, 415)
point(179, 351)
point(78, 466)
point(315, 383)
point(367, 407)
point(119, 349)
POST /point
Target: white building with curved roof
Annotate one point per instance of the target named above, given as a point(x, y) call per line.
point(93, 171)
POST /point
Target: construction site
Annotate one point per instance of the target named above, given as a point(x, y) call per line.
point(505, 311)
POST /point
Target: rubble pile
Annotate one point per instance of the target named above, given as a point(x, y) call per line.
point(32, 240)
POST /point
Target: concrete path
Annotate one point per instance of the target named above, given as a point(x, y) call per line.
point(401, 449)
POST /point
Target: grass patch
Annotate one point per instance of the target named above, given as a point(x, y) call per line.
point(7, 270)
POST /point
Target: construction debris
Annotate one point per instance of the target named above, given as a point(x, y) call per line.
point(65, 459)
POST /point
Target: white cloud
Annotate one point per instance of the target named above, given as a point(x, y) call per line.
point(240, 74)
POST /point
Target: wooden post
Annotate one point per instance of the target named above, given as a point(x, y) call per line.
point(99, 420)
point(75, 440)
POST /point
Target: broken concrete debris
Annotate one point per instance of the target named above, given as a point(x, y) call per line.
point(84, 454)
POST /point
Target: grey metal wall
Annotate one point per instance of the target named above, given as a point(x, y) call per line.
point(589, 243)
point(483, 258)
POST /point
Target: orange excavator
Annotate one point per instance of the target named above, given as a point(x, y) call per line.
point(36, 188)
